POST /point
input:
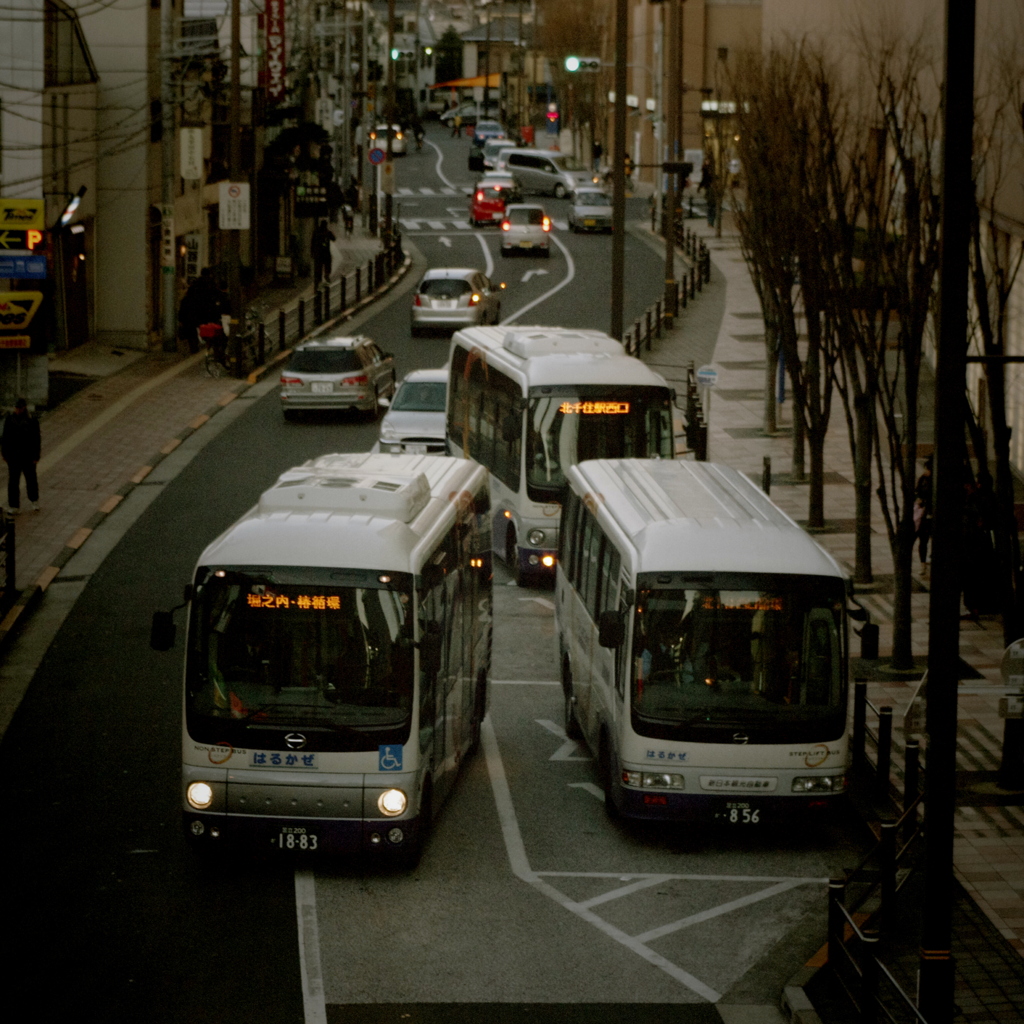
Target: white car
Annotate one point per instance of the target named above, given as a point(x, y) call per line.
point(591, 210)
point(452, 297)
point(379, 139)
point(526, 228)
point(414, 422)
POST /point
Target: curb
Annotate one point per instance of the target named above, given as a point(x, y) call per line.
point(30, 597)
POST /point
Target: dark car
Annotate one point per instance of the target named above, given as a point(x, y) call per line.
point(488, 130)
point(476, 158)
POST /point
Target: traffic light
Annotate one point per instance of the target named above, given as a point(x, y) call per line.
point(574, 64)
point(397, 54)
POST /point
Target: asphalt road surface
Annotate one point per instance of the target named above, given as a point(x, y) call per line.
point(529, 904)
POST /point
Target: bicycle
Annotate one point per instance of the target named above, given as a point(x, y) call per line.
point(213, 338)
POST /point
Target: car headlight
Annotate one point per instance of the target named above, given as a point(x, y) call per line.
point(819, 784)
point(392, 802)
point(535, 537)
point(199, 795)
point(387, 432)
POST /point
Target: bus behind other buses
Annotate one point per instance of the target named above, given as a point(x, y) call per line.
point(527, 403)
point(337, 657)
point(703, 644)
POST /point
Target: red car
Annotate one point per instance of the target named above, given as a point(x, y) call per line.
point(489, 199)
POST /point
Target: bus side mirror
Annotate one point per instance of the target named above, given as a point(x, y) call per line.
point(430, 653)
point(611, 629)
point(163, 631)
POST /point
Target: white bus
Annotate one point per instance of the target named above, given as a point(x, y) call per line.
point(527, 403)
point(703, 644)
point(337, 657)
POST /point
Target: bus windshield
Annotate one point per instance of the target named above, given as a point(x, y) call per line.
point(600, 421)
point(763, 661)
point(331, 658)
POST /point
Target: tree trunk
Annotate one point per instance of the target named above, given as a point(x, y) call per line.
point(902, 652)
point(771, 368)
point(799, 472)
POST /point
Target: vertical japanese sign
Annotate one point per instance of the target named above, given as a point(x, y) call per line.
point(274, 73)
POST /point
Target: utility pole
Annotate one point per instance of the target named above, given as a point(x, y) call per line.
point(234, 239)
point(389, 167)
point(487, 67)
point(673, 15)
point(345, 77)
point(936, 967)
point(619, 170)
point(168, 256)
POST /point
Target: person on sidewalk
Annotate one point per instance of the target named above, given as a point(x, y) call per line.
point(923, 513)
point(321, 252)
point(202, 303)
point(457, 126)
point(20, 446)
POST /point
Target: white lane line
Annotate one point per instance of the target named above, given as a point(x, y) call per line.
point(524, 682)
point(489, 267)
point(521, 867)
point(588, 787)
point(542, 601)
point(568, 750)
point(313, 1006)
point(626, 890)
point(570, 274)
point(625, 876)
point(725, 908)
point(437, 166)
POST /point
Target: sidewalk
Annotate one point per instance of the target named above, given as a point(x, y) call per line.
point(110, 434)
point(989, 836)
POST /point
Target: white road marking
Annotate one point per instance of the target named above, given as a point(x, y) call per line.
point(531, 273)
point(626, 890)
point(570, 274)
point(566, 751)
point(525, 682)
point(489, 266)
point(314, 1010)
point(437, 225)
point(542, 601)
point(444, 240)
point(588, 787)
point(427, 192)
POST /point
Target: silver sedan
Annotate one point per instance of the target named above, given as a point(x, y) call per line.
point(414, 422)
point(591, 210)
point(452, 297)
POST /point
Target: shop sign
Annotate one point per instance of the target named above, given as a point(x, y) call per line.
point(17, 309)
point(191, 153)
point(274, 73)
point(22, 214)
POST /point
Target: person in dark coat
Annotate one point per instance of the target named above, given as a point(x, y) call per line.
point(923, 513)
point(20, 445)
point(320, 249)
point(202, 303)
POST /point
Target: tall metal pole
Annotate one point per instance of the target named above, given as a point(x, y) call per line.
point(936, 961)
point(672, 15)
point(619, 169)
point(390, 113)
point(487, 67)
point(234, 239)
point(168, 258)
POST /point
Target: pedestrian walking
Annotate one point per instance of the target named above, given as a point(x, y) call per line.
point(321, 252)
point(923, 513)
point(596, 152)
point(20, 446)
point(456, 126)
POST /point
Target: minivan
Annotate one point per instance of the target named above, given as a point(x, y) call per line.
point(543, 170)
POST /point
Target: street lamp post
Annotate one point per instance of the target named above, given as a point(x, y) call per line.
point(619, 169)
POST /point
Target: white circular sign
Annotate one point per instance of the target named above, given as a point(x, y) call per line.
point(1011, 668)
point(707, 376)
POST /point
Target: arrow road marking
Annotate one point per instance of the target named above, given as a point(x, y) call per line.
point(542, 601)
point(530, 273)
point(565, 751)
point(595, 791)
point(445, 240)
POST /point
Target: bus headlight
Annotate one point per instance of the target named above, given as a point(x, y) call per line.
point(536, 537)
point(199, 795)
point(392, 802)
point(654, 780)
point(819, 784)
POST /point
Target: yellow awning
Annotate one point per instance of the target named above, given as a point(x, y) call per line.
point(492, 81)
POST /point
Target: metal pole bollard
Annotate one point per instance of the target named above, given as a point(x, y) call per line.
point(860, 729)
point(707, 266)
point(869, 641)
point(887, 855)
point(282, 331)
point(884, 763)
point(869, 973)
point(638, 338)
point(261, 344)
point(649, 331)
point(766, 474)
point(12, 549)
point(359, 283)
point(302, 318)
point(700, 276)
point(318, 306)
point(836, 920)
point(343, 301)
point(658, 317)
point(911, 778)
point(327, 302)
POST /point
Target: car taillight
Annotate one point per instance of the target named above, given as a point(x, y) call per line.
point(291, 380)
point(505, 226)
point(474, 299)
point(398, 135)
point(361, 379)
point(417, 301)
point(479, 197)
point(546, 224)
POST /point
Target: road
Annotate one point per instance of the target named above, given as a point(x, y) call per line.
point(528, 905)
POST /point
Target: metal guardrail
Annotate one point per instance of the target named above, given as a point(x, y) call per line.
point(252, 344)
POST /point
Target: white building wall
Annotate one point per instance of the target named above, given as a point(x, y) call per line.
point(21, 96)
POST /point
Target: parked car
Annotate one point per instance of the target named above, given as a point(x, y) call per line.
point(414, 422)
point(453, 297)
point(467, 111)
point(490, 197)
point(488, 130)
point(337, 373)
point(378, 139)
point(591, 210)
point(525, 228)
point(544, 170)
point(492, 147)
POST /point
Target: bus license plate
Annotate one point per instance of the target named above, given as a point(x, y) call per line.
point(296, 839)
point(739, 814)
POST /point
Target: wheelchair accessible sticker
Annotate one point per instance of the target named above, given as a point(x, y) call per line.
point(389, 759)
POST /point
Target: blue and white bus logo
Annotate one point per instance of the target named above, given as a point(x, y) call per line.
point(389, 759)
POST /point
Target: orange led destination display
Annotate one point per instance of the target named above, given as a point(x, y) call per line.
point(593, 408)
point(303, 602)
point(761, 604)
